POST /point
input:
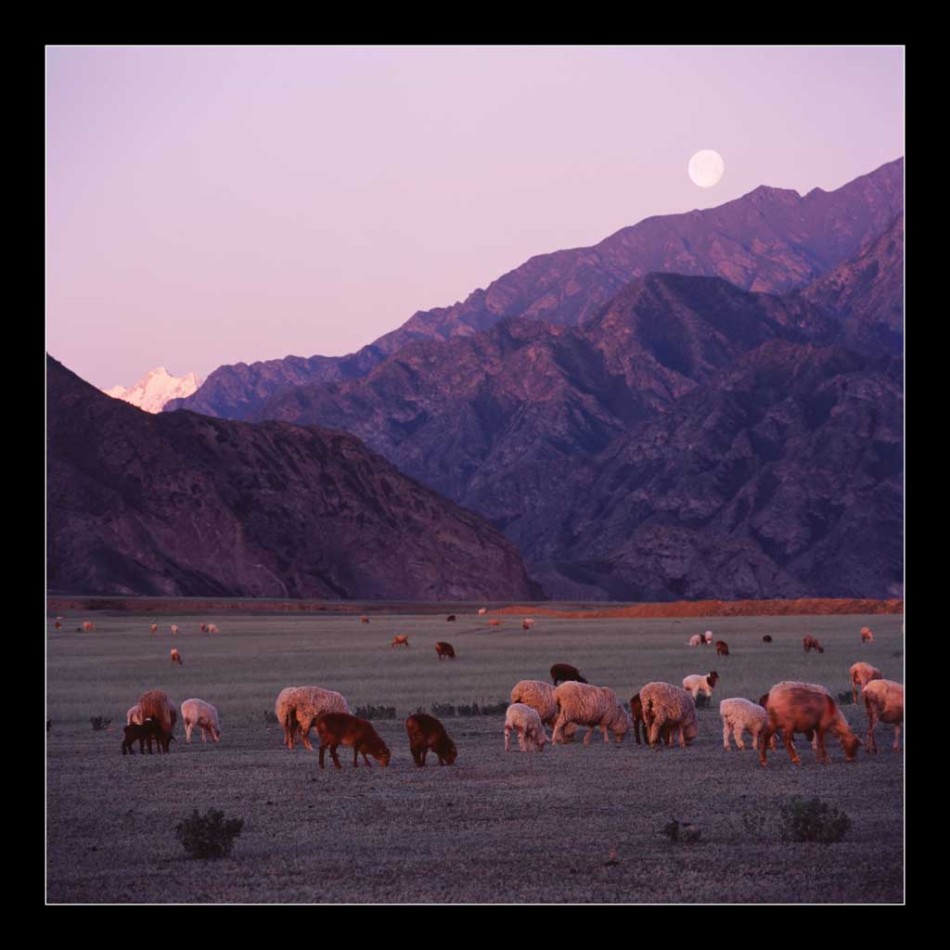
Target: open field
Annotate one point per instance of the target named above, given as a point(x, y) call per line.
point(573, 824)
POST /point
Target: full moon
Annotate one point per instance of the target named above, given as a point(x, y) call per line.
point(706, 168)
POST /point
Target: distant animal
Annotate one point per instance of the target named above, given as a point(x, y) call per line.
point(364, 619)
point(204, 628)
point(722, 648)
point(482, 611)
point(696, 640)
point(155, 704)
point(143, 733)
point(336, 729)
point(212, 628)
point(563, 672)
point(88, 625)
point(444, 650)
point(811, 643)
point(425, 733)
point(866, 635)
point(591, 706)
point(742, 715)
point(450, 618)
point(153, 628)
point(494, 623)
point(861, 674)
point(697, 683)
point(298, 707)
point(526, 722)
point(174, 629)
point(176, 657)
point(400, 640)
point(196, 712)
point(708, 637)
point(797, 707)
point(527, 623)
point(57, 625)
point(667, 707)
point(884, 702)
point(540, 697)
point(767, 638)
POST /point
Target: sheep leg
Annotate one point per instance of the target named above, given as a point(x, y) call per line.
point(854, 691)
point(897, 738)
point(682, 734)
point(726, 729)
point(188, 727)
point(304, 728)
point(322, 748)
point(204, 733)
point(590, 732)
point(738, 737)
point(522, 740)
point(820, 750)
point(334, 756)
point(507, 739)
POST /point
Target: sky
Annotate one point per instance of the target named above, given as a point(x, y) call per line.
point(212, 205)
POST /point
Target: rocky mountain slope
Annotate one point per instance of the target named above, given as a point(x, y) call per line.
point(155, 389)
point(184, 505)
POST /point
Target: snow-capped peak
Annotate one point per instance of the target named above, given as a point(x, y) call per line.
point(155, 388)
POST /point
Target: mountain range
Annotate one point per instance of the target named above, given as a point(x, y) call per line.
point(155, 389)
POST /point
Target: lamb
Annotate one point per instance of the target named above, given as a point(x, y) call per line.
point(866, 635)
point(797, 707)
point(668, 707)
point(527, 623)
point(540, 697)
point(811, 643)
point(153, 628)
point(174, 629)
point(708, 637)
point(696, 683)
point(862, 674)
point(297, 708)
point(425, 733)
point(176, 657)
point(527, 723)
point(722, 648)
point(400, 640)
point(142, 733)
point(155, 704)
point(740, 715)
point(88, 626)
point(696, 640)
point(444, 650)
point(196, 712)
point(338, 728)
point(884, 702)
point(591, 706)
point(563, 672)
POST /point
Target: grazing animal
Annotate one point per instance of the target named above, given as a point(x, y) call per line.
point(540, 697)
point(866, 635)
point(400, 640)
point(708, 637)
point(527, 723)
point(88, 626)
point(204, 628)
point(364, 619)
point(696, 640)
point(450, 618)
point(196, 712)
point(668, 707)
point(722, 648)
point(527, 623)
point(591, 706)
point(57, 625)
point(482, 611)
point(562, 672)
point(742, 715)
point(153, 628)
point(494, 623)
point(142, 733)
point(697, 683)
point(176, 657)
point(134, 715)
point(336, 729)
point(425, 733)
point(861, 674)
point(298, 707)
point(155, 704)
point(811, 643)
point(884, 702)
point(444, 650)
point(797, 707)
point(767, 638)
point(174, 629)
point(212, 628)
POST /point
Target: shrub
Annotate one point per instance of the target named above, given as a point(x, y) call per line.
point(99, 722)
point(376, 712)
point(270, 716)
point(812, 820)
point(684, 832)
point(209, 835)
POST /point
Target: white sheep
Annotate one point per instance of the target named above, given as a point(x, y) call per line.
point(742, 715)
point(176, 657)
point(696, 640)
point(196, 712)
point(591, 706)
point(696, 683)
point(212, 628)
point(482, 611)
point(174, 629)
point(884, 702)
point(540, 696)
point(153, 628)
point(134, 716)
point(668, 707)
point(861, 674)
point(298, 707)
point(708, 637)
point(527, 723)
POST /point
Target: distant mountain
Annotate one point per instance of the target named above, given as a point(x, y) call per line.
point(770, 240)
point(184, 505)
point(154, 389)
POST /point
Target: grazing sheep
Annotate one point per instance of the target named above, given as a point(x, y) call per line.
point(696, 640)
point(866, 635)
point(708, 638)
point(591, 706)
point(884, 702)
point(767, 638)
point(668, 707)
point(527, 723)
point(444, 649)
point(861, 674)
point(204, 628)
point(425, 733)
point(450, 618)
point(88, 626)
point(400, 640)
point(797, 707)
point(297, 708)
point(811, 643)
point(338, 728)
point(176, 657)
point(527, 623)
point(696, 683)
point(196, 712)
point(742, 715)
point(563, 672)
point(482, 611)
point(174, 629)
point(364, 619)
point(494, 623)
point(212, 628)
point(540, 697)
point(57, 625)
point(153, 628)
point(142, 733)
point(155, 704)
point(722, 648)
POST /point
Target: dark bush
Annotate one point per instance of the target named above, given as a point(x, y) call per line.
point(812, 820)
point(210, 835)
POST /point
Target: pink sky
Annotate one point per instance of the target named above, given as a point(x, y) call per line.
point(210, 205)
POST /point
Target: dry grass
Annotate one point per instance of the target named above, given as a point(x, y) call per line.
point(573, 824)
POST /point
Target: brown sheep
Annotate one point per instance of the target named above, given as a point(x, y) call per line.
point(811, 643)
point(450, 618)
point(767, 638)
point(142, 733)
point(364, 619)
point(153, 628)
point(563, 672)
point(156, 705)
point(176, 657)
point(444, 650)
point(797, 707)
point(336, 729)
point(722, 648)
point(425, 733)
point(527, 623)
point(861, 674)
point(400, 640)
point(884, 702)
point(88, 626)
point(866, 635)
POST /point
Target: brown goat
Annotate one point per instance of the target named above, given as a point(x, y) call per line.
point(811, 643)
point(142, 733)
point(425, 733)
point(88, 626)
point(444, 649)
point(176, 657)
point(563, 672)
point(722, 648)
point(336, 729)
point(400, 640)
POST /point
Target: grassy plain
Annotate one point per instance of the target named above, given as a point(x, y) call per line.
point(572, 825)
